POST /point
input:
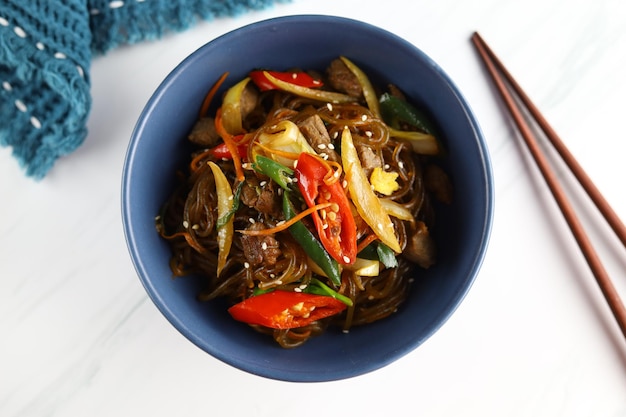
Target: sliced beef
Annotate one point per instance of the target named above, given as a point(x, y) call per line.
point(262, 196)
point(369, 159)
point(260, 249)
point(315, 132)
point(342, 79)
point(420, 247)
point(204, 134)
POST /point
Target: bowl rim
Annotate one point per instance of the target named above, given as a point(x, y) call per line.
point(138, 262)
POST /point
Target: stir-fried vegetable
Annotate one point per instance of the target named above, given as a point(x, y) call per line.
point(231, 108)
point(320, 95)
point(396, 111)
point(312, 246)
point(285, 309)
point(224, 206)
point(368, 90)
point(298, 78)
point(284, 138)
point(363, 197)
point(335, 226)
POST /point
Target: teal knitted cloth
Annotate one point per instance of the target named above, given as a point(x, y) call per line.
point(46, 47)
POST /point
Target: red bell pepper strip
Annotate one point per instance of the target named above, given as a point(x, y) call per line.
point(222, 151)
point(301, 79)
point(335, 226)
point(285, 309)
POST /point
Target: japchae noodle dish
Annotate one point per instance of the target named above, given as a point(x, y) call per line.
point(307, 199)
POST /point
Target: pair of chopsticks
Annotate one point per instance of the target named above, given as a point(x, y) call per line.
point(506, 85)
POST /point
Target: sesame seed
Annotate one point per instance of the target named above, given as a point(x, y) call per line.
point(344, 184)
point(231, 197)
point(331, 146)
point(272, 276)
point(3, 21)
point(80, 70)
point(297, 289)
point(369, 134)
point(262, 183)
point(157, 218)
point(185, 224)
point(294, 180)
point(279, 223)
point(346, 331)
point(246, 265)
point(386, 166)
point(380, 226)
point(303, 286)
point(346, 259)
point(7, 86)
point(325, 226)
point(40, 46)
point(336, 134)
point(278, 282)
point(251, 220)
point(294, 75)
point(364, 117)
point(60, 55)
point(321, 146)
point(329, 106)
point(400, 164)
point(324, 156)
point(264, 246)
point(316, 82)
point(116, 4)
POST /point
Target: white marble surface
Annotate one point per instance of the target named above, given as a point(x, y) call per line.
point(79, 337)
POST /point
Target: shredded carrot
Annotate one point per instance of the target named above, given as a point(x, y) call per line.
point(284, 154)
point(230, 144)
point(365, 242)
point(195, 162)
point(287, 223)
point(209, 97)
point(332, 176)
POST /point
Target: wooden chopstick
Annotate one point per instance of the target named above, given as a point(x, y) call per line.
point(497, 71)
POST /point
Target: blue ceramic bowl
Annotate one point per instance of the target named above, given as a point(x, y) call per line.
point(157, 148)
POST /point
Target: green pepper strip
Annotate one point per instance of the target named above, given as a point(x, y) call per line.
point(311, 245)
point(396, 109)
point(386, 255)
point(381, 252)
point(282, 175)
point(318, 287)
point(226, 217)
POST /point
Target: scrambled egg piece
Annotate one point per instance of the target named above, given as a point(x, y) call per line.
point(384, 182)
